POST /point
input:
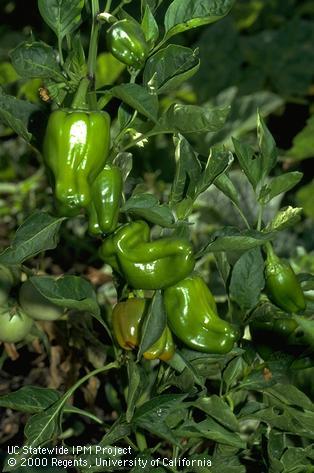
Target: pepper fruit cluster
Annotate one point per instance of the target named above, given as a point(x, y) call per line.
point(146, 264)
point(75, 149)
point(166, 264)
point(127, 319)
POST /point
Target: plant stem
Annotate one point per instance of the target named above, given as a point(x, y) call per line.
point(260, 218)
point(243, 217)
point(81, 381)
point(134, 142)
point(141, 441)
point(60, 51)
point(92, 53)
point(108, 6)
point(118, 7)
point(79, 101)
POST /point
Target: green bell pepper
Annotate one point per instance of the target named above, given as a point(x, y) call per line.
point(147, 264)
point(75, 149)
point(126, 42)
point(106, 199)
point(282, 286)
point(192, 317)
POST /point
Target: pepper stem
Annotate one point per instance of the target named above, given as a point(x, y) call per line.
point(80, 97)
point(271, 255)
point(92, 53)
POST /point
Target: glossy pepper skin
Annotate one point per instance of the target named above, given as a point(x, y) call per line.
point(192, 317)
point(282, 286)
point(127, 317)
point(126, 42)
point(75, 149)
point(104, 208)
point(146, 264)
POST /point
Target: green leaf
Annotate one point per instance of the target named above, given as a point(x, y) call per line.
point(125, 162)
point(233, 371)
point(152, 415)
point(62, 16)
point(148, 207)
point(276, 445)
point(285, 218)
point(188, 171)
point(307, 327)
point(134, 376)
point(218, 162)
point(42, 427)
point(72, 292)
point(231, 239)
point(218, 410)
point(138, 98)
point(249, 162)
point(183, 15)
point(297, 460)
point(17, 114)
point(242, 116)
point(278, 185)
point(30, 399)
point(153, 325)
point(75, 64)
point(225, 185)
point(305, 198)
point(36, 59)
point(210, 429)
point(167, 69)
point(149, 26)
point(223, 265)
point(190, 119)
point(267, 146)
point(289, 394)
point(303, 142)
point(247, 279)
point(39, 232)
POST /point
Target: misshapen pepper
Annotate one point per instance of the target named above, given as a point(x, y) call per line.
point(126, 42)
point(193, 318)
point(147, 264)
point(282, 286)
point(75, 149)
point(127, 317)
point(106, 199)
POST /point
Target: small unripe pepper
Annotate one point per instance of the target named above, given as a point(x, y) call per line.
point(282, 285)
point(106, 194)
point(146, 264)
point(126, 42)
point(75, 149)
point(127, 318)
point(192, 317)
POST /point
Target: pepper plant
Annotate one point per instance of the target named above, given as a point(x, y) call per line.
point(199, 379)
